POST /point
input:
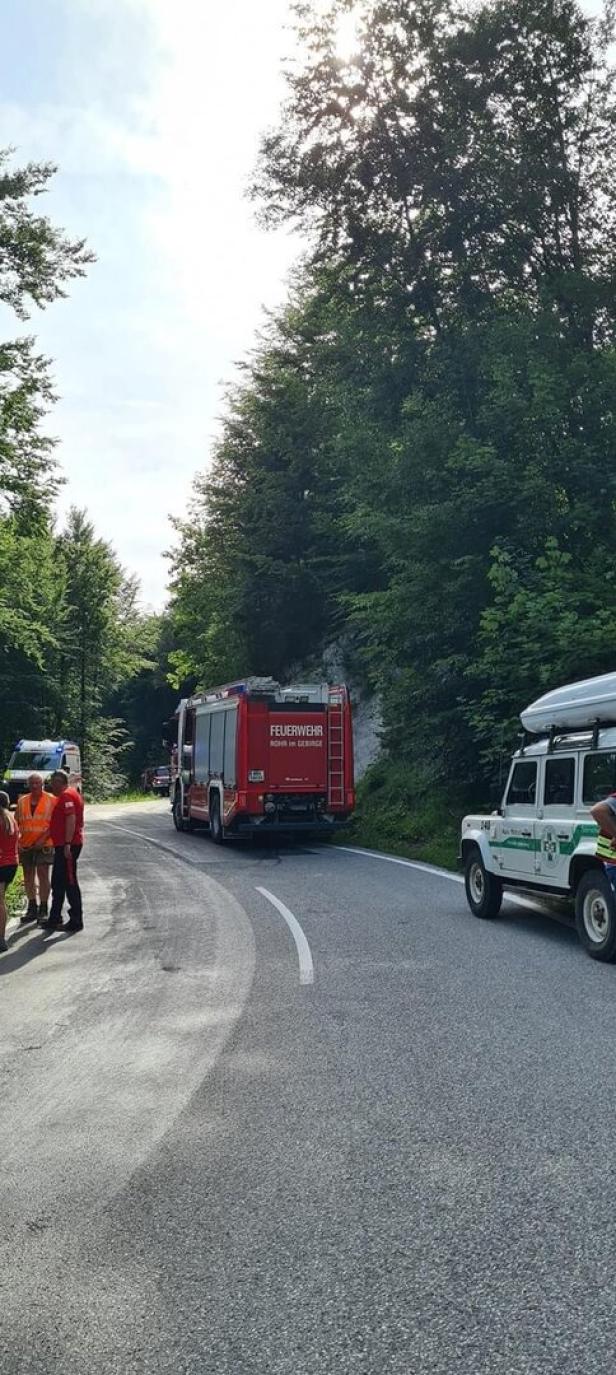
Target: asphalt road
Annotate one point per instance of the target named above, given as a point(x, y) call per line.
point(382, 1141)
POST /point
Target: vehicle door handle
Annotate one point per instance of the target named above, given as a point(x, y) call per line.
point(526, 833)
point(562, 835)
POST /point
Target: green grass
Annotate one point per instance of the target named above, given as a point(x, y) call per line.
point(15, 896)
point(132, 795)
point(403, 814)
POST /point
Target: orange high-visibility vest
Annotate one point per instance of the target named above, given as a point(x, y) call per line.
point(32, 828)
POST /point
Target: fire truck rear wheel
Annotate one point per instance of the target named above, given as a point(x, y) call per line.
point(178, 819)
point(484, 891)
point(216, 827)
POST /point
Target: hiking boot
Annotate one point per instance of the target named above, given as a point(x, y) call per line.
point(3, 947)
point(52, 924)
point(43, 912)
point(30, 915)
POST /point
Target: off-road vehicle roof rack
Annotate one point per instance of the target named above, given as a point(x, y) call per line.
point(559, 738)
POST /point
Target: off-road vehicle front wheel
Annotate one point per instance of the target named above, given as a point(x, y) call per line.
point(484, 891)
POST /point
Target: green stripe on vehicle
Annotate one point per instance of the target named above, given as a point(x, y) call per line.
point(534, 844)
point(580, 833)
point(516, 843)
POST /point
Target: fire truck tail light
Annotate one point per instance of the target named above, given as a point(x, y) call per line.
point(256, 776)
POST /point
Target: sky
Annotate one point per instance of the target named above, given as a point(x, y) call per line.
point(153, 110)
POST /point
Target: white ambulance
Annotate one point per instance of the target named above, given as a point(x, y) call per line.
point(542, 837)
point(41, 756)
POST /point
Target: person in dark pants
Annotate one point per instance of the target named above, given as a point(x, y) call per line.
point(66, 834)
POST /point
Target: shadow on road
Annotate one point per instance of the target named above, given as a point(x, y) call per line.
point(21, 952)
point(555, 924)
point(257, 847)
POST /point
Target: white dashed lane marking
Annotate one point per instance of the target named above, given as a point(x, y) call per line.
point(306, 967)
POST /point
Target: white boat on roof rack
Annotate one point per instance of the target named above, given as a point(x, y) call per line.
point(577, 706)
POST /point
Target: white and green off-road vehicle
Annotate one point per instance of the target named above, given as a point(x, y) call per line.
point(542, 837)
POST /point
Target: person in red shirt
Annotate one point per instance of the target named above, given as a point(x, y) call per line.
point(66, 834)
point(8, 859)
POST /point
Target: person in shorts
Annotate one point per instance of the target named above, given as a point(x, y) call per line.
point(34, 811)
point(8, 860)
point(605, 816)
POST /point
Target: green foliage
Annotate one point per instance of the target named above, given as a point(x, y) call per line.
point(103, 642)
point(28, 475)
point(106, 747)
point(29, 593)
point(420, 458)
point(465, 152)
point(36, 258)
point(31, 598)
point(71, 635)
point(70, 628)
point(15, 896)
point(263, 554)
point(129, 795)
point(548, 622)
point(99, 630)
point(145, 700)
point(403, 810)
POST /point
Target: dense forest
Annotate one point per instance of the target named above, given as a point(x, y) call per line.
point(78, 657)
point(418, 460)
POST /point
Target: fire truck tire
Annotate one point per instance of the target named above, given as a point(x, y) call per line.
point(484, 891)
point(595, 915)
point(178, 819)
point(216, 826)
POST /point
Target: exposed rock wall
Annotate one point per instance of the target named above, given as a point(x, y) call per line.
point(367, 716)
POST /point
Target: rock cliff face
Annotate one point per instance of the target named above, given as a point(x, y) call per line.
point(367, 717)
point(367, 724)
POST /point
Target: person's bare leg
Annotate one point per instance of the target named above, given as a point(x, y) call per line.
point(30, 882)
point(31, 912)
point(43, 883)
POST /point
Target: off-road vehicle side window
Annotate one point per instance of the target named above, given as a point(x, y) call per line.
point(523, 786)
point(559, 783)
point(599, 776)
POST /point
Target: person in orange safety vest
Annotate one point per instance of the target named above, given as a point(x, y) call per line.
point(34, 810)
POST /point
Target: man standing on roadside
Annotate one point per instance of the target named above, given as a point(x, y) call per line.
point(34, 810)
point(605, 816)
point(66, 833)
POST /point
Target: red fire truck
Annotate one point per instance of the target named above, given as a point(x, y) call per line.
point(257, 756)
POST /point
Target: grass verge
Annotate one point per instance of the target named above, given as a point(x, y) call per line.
point(15, 896)
point(402, 814)
point(134, 795)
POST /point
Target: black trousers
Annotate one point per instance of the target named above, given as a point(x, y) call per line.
point(64, 884)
